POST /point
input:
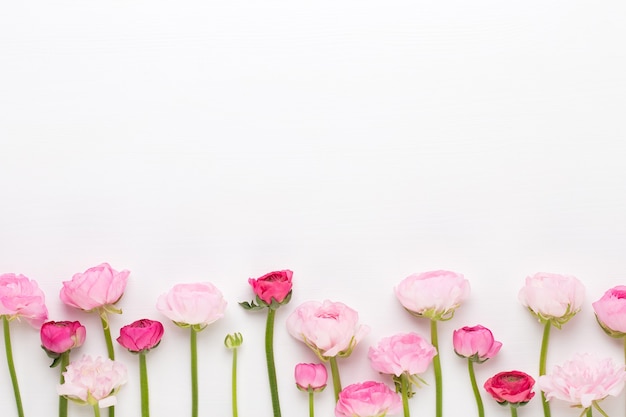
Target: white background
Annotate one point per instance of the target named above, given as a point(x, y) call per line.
point(353, 142)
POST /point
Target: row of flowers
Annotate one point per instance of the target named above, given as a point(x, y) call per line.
point(332, 330)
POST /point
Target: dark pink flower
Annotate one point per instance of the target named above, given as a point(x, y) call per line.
point(274, 285)
point(512, 387)
point(141, 335)
point(60, 336)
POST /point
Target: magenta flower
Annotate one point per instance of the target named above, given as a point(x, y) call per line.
point(99, 287)
point(611, 311)
point(141, 335)
point(511, 387)
point(273, 286)
point(58, 337)
point(21, 297)
point(93, 381)
point(311, 376)
point(584, 380)
point(475, 343)
point(367, 399)
point(406, 353)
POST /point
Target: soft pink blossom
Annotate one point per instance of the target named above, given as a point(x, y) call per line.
point(552, 297)
point(93, 381)
point(583, 380)
point(367, 399)
point(22, 297)
point(274, 285)
point(311, 376)
point(329, 328)
point(435, 294)
point(141, 335)
point(511, 387)
point(60, 336)
point(100, 286)
point(475, 343)
point(611, 311)
point(402, 353)
point(198, 304)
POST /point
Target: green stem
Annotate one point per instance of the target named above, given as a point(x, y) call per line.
point(311, 406)
point(234, 382)
point(542, 365)
point(269, 356)
point(65, 360)
point(595, 404)
point(9, 351)
point(513, 411)
point(194, 372)
point(334, 370)
point(110, 351)
point(405, 387)
point(589, 412)
point(479, 400)
point(434, 340)
point(143, 382)
point(96, 410)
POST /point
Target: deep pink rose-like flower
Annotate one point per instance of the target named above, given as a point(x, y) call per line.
point(22, 297)
point(611, 311)
point(552, 297)
point(58, 337)
point(583, 380)
point(198, 304)
point(367, 399)
point(434, 295)
point(93, 381)
point(329, 328)
point(274, 285)
point(475, 343)
point(311, 376)
point(100, 286)
point(141, 335)
point(402, 353)
point(511, 387)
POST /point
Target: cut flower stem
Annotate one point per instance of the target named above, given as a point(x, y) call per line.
point(479, 401)
point(65, 360)
point(194, 372)
point(542, 365)
point(434, 340)
point(269, 356)
point(143, 382)
point(405, 387)
point(11, 364)
point(109, 341)
point(334, 370)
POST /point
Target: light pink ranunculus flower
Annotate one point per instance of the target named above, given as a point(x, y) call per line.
point(611, 311)
point(197, 305)
point(583, 380)
point(434, 295)
point(22, 297)
point(93, 381)
point(552, 297)
point(311, 376)
point(402, 353)
point(475, 343)
point(329, 328)
point(97, 287)
point(367, 399)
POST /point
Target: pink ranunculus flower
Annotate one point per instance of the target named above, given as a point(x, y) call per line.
point(197, 305)
point(475, 343)
point(97, 287)
point(22, 297)
point(402, 353)
point(611, 311)
point(584, 380)
point(367, 399)
point(511, 387)
point(272, 286)
point(93, 381)
point(552, 297)
point(434, 295)
point(141, 335)
point(58, 337)
point(330, 328)
point(311, 376)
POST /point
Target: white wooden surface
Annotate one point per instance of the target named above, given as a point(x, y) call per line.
point(353, 142)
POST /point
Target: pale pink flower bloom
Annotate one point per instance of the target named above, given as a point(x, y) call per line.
point(552, 297)
point(93, 381)
point(583, 380)
point(198, 304)
point(311, 376)
point(367, 399)
point(435, 294)
point(611, 311)
point(22, 297)
point(100, 286)
point(407, 352)
point(475, 343)
point(329, 328)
